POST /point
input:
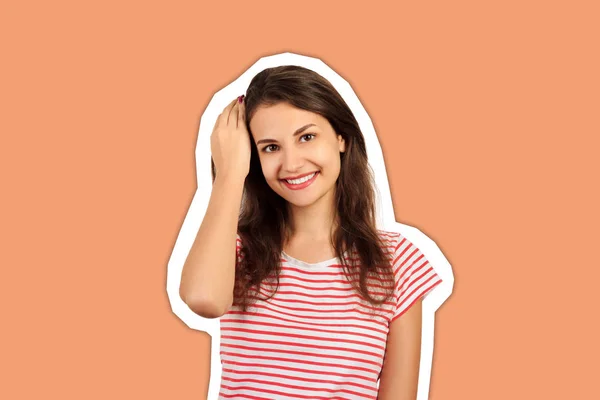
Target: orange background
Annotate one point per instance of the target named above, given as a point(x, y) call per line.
point(489, 120)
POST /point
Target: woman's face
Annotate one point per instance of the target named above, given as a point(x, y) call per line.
point(297, 145)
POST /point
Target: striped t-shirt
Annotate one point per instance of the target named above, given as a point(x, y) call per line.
point(315, 338)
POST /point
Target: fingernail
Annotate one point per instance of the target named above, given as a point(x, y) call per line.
point(240, 99)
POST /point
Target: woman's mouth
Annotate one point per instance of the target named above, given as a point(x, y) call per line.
point(301, 183)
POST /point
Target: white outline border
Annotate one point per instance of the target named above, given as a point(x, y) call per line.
point(386, 219)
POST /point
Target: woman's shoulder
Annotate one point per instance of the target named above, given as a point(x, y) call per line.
point(396, 242)
point(389, 237)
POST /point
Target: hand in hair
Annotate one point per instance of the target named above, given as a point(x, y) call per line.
point(230, 142)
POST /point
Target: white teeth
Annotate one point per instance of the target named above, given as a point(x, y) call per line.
point(301, 180)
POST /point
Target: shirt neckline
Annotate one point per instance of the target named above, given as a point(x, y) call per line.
point(301, 263)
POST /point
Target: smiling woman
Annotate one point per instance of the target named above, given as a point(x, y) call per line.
point(317, 301)
point(289, 156)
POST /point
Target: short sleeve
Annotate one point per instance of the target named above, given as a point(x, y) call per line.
point(413, 274)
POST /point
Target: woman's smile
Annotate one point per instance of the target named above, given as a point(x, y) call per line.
point(301, 183)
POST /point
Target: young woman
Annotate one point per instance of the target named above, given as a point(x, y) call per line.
point(316, 302)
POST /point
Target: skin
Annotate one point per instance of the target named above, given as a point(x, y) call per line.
point(283, 154)
point(400, 373)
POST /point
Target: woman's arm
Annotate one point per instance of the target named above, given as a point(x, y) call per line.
point(208, 275)
point(400, 373)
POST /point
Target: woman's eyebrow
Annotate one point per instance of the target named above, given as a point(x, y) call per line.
point(298, 131)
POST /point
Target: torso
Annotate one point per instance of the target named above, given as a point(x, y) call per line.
point(316, 337)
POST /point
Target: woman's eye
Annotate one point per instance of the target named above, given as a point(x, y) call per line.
point(308, 134)
point(273, 147)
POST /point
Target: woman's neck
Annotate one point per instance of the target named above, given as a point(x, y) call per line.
point(315, 222)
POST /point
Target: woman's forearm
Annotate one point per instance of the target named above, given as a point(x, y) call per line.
point(208, 273)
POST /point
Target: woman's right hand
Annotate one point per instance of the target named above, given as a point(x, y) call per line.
point(230, 142)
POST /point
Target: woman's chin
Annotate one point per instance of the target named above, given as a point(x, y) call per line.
point(299, 204)
point(298, 200)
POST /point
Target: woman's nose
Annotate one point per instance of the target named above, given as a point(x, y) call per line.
point(292, 160)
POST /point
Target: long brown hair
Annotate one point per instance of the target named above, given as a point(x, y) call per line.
point(263, 215)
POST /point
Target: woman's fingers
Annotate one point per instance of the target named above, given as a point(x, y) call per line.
point(241, 113)
point(224, 117)
point(230, 142)
point(233, 113)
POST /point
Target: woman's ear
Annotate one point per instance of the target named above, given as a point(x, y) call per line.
point(341, 144)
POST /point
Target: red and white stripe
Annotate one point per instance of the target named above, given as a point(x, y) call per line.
point(317, 338)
